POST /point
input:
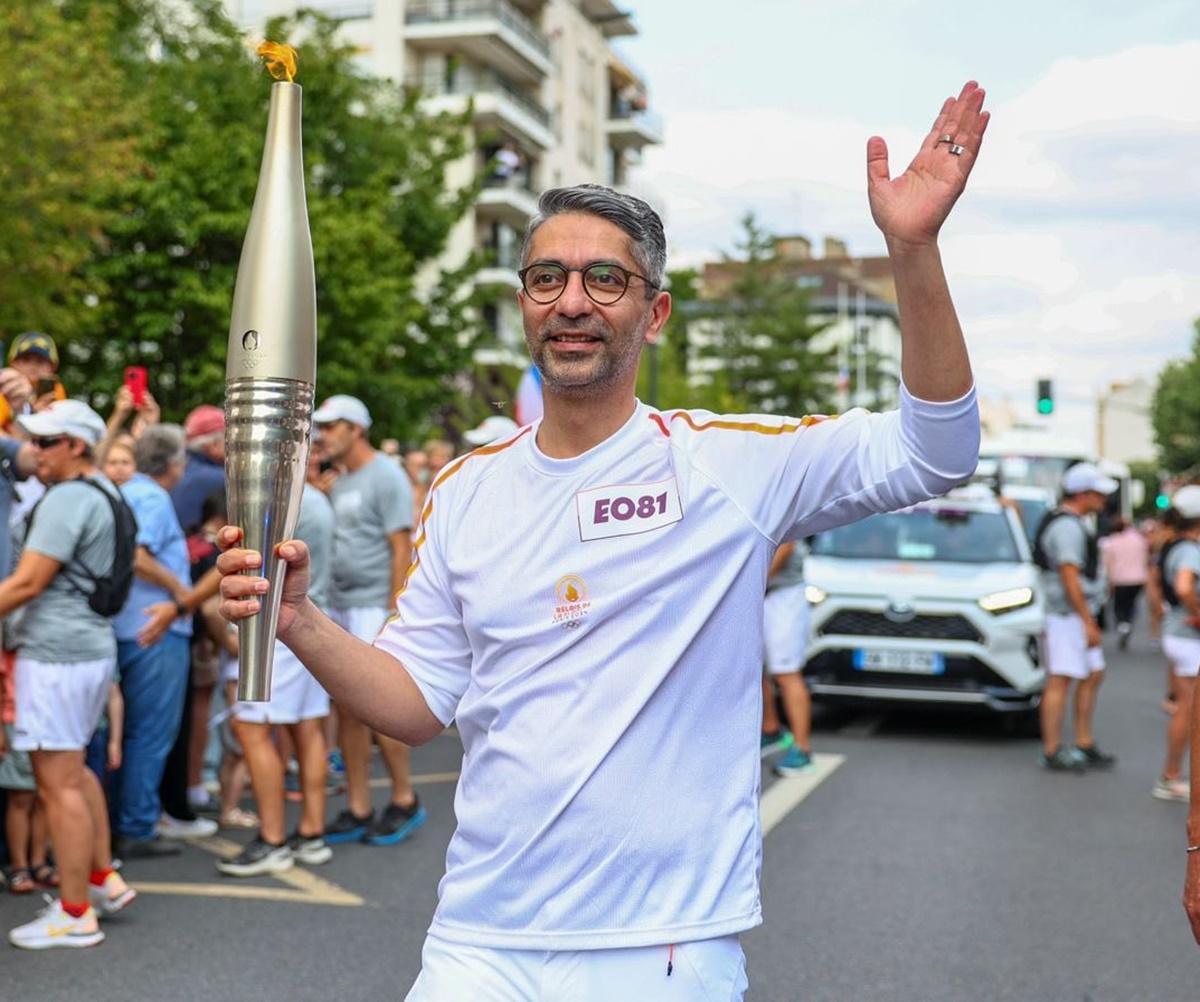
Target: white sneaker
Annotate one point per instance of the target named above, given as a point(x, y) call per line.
point(54, 927)
point(169, 827)
point(1172, 789)
point(115, 895)
point(311, 850)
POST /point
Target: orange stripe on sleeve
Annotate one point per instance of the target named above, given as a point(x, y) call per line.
point(751, 426)
point(446, 474)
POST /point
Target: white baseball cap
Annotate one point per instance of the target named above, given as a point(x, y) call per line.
point(1083, 477)
point(1186, 501)
point(65, 417)
point(341, 407)
point(492, 430)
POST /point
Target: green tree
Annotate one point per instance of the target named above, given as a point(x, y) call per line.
point(1175, 412)
point(66, 128)
point(380, 210)
point(663, 379)
point(759, 347)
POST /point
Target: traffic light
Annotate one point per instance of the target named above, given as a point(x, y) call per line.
point(1162, 502)
point(1045, 396)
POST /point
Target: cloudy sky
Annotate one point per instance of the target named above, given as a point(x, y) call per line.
point(1075, 252)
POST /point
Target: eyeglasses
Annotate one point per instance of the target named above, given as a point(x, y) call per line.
point(48, 441)
point(603, 283)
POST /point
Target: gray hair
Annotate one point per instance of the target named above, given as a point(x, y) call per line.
point(647, 241)
point(158, 448)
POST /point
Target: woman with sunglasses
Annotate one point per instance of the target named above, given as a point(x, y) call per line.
point(63, 675)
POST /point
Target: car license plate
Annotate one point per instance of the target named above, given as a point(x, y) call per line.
point(913, 662)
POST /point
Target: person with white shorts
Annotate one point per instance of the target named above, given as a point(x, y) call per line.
point(585, 602)
point(300, 704)
point(373, 513)
point(785, 639)
point(1179, 574)
point(63, 675)
point(1072, 583)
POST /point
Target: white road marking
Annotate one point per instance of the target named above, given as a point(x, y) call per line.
point(786, 794)
point(303, 887)
point(420, 778)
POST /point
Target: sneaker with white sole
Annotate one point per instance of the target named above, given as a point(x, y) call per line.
point(312, 850)
point(257, 858)
point(1172, 789)
point(112, 896)
point(53, 927)
point(795, 762)
point(169, 827)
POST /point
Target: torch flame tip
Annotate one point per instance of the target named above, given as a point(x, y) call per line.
point(280, 59)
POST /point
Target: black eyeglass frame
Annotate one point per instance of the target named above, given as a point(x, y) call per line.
point(48, 441)
point(582, 272)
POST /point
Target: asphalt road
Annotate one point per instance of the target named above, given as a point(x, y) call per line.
point(936, 862)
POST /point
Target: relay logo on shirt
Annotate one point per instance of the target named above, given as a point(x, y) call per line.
point(627, 509)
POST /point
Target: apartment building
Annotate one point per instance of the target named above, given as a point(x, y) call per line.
point(554, 103)
point(855, 296)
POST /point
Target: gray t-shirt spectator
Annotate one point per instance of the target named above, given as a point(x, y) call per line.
point(316, 528)
point(73, 524)
point(369, 504)
point(1066, 542)
point(1183, 556)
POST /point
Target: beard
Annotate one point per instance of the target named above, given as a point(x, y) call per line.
point(587, 374)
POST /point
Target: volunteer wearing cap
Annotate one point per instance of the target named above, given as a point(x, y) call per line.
point(66, 655)
point(373, 509)
point(1072, 582)
point(493, 429)
point(35, 357)
point(1179, 574)
point(204, 474)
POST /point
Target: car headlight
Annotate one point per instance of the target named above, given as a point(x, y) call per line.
point(1006, 601)
point(814, 594)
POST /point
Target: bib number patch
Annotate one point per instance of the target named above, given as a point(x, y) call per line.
point(627, 509)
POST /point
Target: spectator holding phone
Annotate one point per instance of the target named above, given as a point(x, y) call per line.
point(34, 356)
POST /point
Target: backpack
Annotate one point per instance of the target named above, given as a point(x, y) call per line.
point(1091, 565)
point(1168, 586)
point(110, 591)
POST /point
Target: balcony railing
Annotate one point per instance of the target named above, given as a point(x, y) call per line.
point(625, 112)
point(449, 11)
point(465, 83)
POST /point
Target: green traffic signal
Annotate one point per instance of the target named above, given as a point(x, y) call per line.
point(1162, 502)
point(1045, 406)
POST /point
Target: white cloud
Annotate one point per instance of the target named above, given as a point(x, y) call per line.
point(1075, 252)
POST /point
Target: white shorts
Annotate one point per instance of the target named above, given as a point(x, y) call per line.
point(709, 970)
point(364, 623)
point(295, 694)
point(785, 629)
point(229, 667)
point(1184, 655)
point(1067, 652)
point(59, 705)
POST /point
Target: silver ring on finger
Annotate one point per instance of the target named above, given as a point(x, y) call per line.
point(945, 137)
point(957, 150)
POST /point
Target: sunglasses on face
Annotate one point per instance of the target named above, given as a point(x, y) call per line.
point(48, 441)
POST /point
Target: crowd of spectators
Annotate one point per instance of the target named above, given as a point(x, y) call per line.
point(123, 738)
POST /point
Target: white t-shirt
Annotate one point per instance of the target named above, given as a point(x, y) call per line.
point(594, 625)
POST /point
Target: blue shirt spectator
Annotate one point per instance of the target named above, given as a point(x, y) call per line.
point(204, 474)
point(160, 533)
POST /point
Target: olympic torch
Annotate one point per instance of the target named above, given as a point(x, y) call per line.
point(271, 368)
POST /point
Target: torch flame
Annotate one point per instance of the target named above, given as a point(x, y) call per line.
point(572, 594)
point(281, 60)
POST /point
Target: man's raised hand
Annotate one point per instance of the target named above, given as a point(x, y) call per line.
point(911, 207)
point(241, 593)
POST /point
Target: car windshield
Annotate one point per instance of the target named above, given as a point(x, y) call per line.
point(960, 536)
point(1032, 513)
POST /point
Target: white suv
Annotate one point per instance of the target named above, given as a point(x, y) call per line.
point(937, 603)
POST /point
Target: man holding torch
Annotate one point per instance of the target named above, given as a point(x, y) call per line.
point(585, 601)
